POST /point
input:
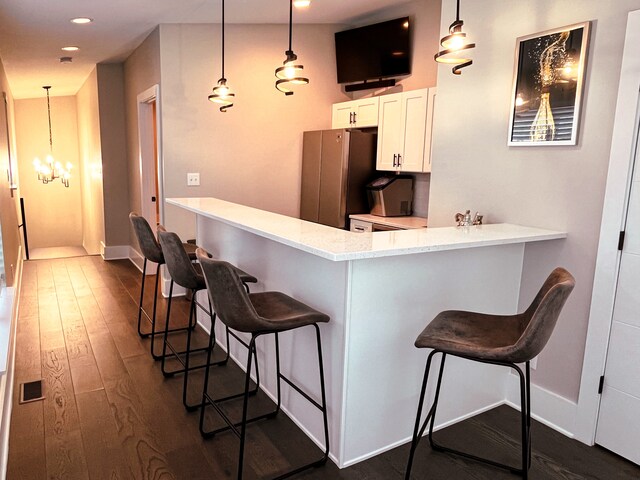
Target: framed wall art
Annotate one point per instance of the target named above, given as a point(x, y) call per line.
point(547, 87)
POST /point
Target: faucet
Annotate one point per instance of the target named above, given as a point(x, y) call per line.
point(465, 220)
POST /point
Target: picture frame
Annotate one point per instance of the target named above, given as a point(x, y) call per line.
point(547, 89)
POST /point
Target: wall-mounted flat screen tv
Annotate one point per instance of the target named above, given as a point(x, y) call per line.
point(376, 51)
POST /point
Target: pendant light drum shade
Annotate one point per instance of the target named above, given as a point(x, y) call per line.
point(291, 72)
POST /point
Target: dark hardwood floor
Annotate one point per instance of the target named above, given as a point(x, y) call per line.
point(110, 414)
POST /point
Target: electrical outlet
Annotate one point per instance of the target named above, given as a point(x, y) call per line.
point(193, 179)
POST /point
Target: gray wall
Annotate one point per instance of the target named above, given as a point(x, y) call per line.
point(113, 134)
point(141, 71)
point(559, 188)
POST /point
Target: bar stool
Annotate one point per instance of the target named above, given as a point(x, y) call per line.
point(495, 339)
point(152, 252)
point(188, 275)
point(258, 314)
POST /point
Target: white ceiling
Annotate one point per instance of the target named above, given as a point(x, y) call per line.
point(32, 32)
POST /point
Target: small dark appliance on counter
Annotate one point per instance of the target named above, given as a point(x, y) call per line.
point(391, 196)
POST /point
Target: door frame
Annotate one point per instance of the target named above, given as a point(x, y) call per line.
point(146, 171)
point(623, 147)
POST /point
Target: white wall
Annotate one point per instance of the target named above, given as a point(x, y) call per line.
point(553, 187)
point(252, 153)
point(90, 167)
point(54, 216)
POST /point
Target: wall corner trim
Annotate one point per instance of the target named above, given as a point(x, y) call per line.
point(114, 252)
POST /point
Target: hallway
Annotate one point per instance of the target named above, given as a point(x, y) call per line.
point(110, 414)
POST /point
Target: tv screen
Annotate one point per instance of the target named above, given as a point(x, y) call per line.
point(375, 51)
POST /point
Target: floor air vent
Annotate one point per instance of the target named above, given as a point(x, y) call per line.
point(31, 391)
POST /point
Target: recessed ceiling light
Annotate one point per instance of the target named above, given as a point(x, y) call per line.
point(301, 3)
point(71, 48)
point(81, 20)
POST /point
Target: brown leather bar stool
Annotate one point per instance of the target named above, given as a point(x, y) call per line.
point(258, 314)
point(188, 275)
point(152, 252)
point(495, 339)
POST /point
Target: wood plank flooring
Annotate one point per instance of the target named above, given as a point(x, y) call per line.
point(110, 414)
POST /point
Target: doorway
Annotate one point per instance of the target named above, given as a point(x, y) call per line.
point(607, 410)
point(53, 206)
point(619, 417)
point(150, 155)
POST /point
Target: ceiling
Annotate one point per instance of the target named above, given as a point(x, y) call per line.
point(32, 32)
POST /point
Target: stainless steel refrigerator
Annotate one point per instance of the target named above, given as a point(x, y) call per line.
point(336, 167)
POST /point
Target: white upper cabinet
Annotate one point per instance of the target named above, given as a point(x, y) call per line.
point(405, 121)
point(355, 114)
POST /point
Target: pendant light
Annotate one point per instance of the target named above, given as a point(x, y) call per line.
point(222, 94)
point(50, 169)
point(290, 72)
point(453, 44)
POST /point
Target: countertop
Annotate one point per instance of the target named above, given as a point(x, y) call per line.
point(340, 245)
point(398, 222)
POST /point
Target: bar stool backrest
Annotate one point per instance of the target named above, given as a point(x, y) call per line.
point(540, 318)
point(146, 239)
point(229, 298)
point(180, 267)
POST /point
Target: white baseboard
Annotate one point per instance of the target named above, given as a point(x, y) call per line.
point(114, 252)
point(547, 407)
point(436, 427)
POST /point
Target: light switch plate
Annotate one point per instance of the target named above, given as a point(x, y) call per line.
point(193, 179)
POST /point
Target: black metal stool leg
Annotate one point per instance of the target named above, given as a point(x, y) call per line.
point(185, 385)
point(205, 387)
point(245, 405)
point(528, 380)
point(524, 416)
point(144, 274)
point(166, 332)
point(153, 318)
point(417, 430)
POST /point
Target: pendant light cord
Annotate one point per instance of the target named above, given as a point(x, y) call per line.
point(49, 117)
point(222, 38)
point(291, 22)
point(458, 11)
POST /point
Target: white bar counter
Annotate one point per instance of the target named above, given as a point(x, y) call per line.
point(380, 290)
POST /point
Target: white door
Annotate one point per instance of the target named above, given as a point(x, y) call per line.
point(619, 417)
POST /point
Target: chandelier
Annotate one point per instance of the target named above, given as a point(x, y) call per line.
point(50, 169)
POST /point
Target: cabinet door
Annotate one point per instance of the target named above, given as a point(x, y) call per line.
point(413, 130)
point(366, 112)
point(341, 115)
point(389, 131)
